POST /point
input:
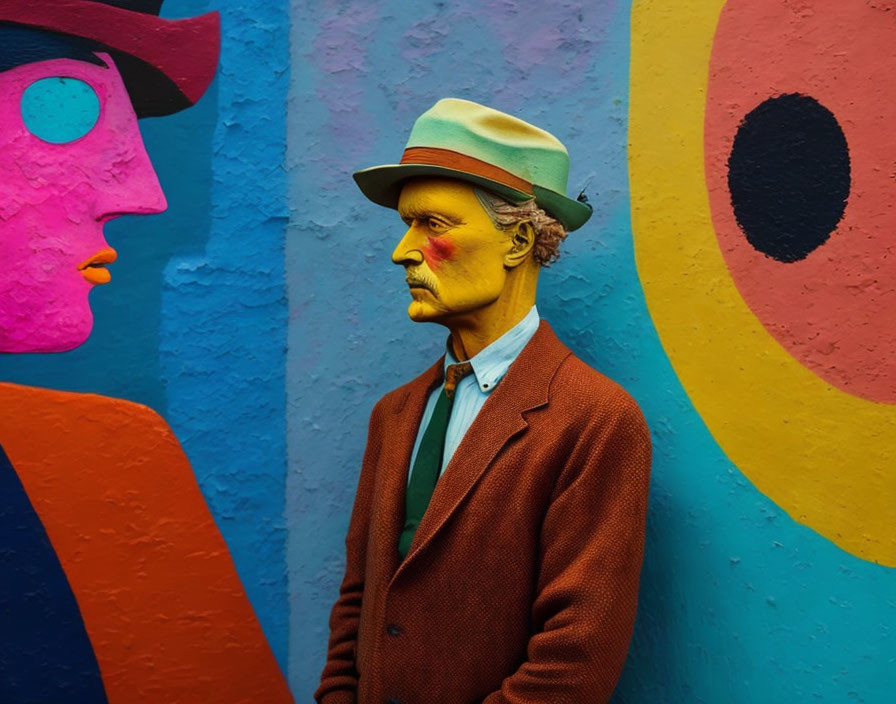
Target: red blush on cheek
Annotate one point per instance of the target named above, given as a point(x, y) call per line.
point(438, 249)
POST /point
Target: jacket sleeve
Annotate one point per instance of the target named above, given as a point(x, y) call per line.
point(591, 549)
point(339, 680)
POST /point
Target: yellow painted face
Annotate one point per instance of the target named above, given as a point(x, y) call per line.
point(453, 255)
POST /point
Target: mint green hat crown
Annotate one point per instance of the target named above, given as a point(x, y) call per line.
point(501, 153)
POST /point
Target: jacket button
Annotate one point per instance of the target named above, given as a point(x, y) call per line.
point(393, 631)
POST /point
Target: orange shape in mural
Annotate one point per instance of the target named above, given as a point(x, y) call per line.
point(163, 606)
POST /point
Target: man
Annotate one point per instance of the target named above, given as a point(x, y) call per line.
point(495, 543)
point(116, 584)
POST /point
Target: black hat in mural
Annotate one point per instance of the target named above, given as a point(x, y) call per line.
point(167, 65)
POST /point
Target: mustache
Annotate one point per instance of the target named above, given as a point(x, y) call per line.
point(420, 278)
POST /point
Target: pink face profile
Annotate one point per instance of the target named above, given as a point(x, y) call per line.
point(71, 159)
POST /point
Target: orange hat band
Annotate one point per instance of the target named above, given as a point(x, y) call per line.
point(432, 156)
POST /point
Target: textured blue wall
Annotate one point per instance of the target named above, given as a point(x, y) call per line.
point(194, 321)
point(224, 312)
point(738, 602)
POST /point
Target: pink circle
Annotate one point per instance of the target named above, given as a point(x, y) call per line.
point(835, 310)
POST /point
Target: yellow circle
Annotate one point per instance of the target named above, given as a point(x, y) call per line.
point(824, 456)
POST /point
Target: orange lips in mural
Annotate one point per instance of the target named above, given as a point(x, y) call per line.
point(94, 269)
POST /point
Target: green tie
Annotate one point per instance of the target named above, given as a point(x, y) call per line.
point(428, 463)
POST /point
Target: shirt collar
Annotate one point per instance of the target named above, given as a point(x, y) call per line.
point(491, 364)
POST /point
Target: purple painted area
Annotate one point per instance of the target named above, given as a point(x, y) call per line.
point(549, 36)
point(340, 53)
point(548, 48)
point(54, 202)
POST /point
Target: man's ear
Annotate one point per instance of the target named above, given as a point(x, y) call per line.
point(522, 239)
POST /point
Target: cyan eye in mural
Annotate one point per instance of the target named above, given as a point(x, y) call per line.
point(60, 109)
point(764, 243)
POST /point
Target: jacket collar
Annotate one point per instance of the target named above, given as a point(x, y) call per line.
point(491, 364)
point(524, 388)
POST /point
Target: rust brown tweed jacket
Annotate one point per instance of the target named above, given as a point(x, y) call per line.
point(521, 582)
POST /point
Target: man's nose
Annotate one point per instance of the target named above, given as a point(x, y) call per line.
point(135, 187)
point(407, 252)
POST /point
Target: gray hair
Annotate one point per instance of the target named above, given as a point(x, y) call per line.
point(549, 232)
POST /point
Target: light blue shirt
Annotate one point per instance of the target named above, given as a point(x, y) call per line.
point(489, 367)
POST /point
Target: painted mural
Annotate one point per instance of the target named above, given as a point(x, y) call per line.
point(256, 316)
point(765, 576)
point(766, 250)
point(117, 584)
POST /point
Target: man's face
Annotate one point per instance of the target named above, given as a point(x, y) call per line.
point(71, 159)
point(452, 252)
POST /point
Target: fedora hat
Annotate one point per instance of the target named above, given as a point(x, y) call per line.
point(471, 142)
point(167, 65)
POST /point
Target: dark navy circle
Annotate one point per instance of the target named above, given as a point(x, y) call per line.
point(789, 176)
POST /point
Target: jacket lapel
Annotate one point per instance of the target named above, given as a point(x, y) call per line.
point(407, 411)
point(524, 388)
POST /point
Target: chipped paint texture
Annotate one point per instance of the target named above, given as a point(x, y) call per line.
point(739, 603)
point(193, 323)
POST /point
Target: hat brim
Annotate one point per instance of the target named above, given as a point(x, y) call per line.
point(167, 64)
point(382, 185)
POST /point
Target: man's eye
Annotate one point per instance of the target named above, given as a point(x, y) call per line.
point(60, 110)
point(436, 225)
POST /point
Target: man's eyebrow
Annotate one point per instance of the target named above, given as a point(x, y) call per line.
point(416, 214)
